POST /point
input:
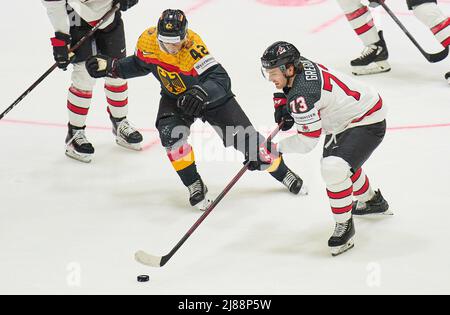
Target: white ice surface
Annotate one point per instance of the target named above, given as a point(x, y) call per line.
point(67, 227)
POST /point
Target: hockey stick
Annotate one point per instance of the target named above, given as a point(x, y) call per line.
point(52, 68)
point(159, 261)
point(433, 58)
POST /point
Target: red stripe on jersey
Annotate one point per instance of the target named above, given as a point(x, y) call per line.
point(77, 110)
point(446, 42)
point(323, 67)
point(340, 195)
point(117, 103)
point(179, 153)
point(356, 14)
point(366, 27)
point(342, 210)
point(117, 89)
point(81, 94)
point(166, 66)
point(440, 26)
point(356, 176)
point(363, 189)
point(313, 134)
point(374, 109)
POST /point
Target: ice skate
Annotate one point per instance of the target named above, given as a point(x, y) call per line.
point(295, 184)
point(77, 145)
point(374, 59)
point(342, 239)
point(126, 135)
point(199, 195)
point(375, 206)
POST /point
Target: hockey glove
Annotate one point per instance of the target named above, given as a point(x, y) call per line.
point(126, 4)
point(101, 66)
point(281, 111)
point(61, 45)
point(193, 102)
point(263, 159)
point(375, 3)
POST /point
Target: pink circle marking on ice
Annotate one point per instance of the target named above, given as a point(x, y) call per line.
point(290, 3)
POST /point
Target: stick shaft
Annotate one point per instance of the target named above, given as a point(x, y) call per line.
point(227, 189)
point(55, 65)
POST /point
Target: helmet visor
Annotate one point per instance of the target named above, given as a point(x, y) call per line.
point(172, 47)
point(273, 73)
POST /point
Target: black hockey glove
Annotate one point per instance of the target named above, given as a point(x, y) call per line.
point(194, 101)
point(101, 66)
point(61, 45)
point(126, 4)
point(281, 111)
point(375, 3)
point(263, 159)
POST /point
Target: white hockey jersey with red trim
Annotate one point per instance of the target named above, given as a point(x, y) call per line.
point(89, 10)
point(324, 101)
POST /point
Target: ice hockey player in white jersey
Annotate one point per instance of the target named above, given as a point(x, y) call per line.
point(352, 116)
point(374, 58)
point(72, 20)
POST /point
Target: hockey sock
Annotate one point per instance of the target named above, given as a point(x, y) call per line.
point(278, 169)
point(78, 104)
point(361, 21)
point(433, 17)
point(361, 186)
point(116, 91)
point(183, 161)
point(341, 200)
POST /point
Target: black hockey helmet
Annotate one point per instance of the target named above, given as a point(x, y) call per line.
point(172, 26)
point(280, 55)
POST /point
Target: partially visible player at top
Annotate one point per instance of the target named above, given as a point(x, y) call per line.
point(72, 20)
point(374, 58)
point(193, 86)
point(352, 117)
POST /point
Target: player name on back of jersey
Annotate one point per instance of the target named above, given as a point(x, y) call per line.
point(310, 70)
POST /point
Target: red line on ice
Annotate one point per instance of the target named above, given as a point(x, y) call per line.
point(154, 130)
point(197, 6)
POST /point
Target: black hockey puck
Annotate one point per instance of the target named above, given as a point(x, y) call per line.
point(143, 278)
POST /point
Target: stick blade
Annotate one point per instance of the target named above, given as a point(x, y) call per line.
point(433, 58)
point(147, 259)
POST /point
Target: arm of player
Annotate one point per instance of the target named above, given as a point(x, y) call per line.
point(214, 79)
point(309, 130)
point(297, 144)
point(57, 13)
point(132, 67)
point(101, 66)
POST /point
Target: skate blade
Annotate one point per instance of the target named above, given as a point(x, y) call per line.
point(373, 68)
point(85, 158)
point(388, 212)
point(203, 205)
point(304, 191)
point(129, 146)
point(339, 250)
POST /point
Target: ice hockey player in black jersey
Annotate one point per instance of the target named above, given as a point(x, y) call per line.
point(320, 101)
point(194, 86)
point(374, 58)
point(72, 20)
